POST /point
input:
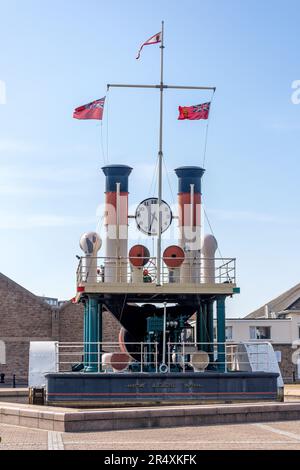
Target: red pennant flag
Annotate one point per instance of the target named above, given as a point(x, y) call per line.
point(153, 40)
point(93, 110)
point(199, 111)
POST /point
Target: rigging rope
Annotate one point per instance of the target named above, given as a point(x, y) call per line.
point(169, 182)
point(105, 157)
point(206, 132)
point(102, 144)
point(123, 306)
point(107, 125)
point(209, 224)
point(154, 178)
point(100, 224)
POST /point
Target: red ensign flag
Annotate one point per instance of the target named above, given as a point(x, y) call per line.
point(199, 111)
point(93, 110)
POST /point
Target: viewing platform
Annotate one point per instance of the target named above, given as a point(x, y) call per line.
point(102, 275)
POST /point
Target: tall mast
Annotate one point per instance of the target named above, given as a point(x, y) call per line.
point(160, 158)
point(161, 87)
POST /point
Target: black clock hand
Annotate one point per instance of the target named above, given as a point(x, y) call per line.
point(153, 217)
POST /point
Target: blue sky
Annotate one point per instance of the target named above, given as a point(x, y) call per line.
point(58, 55)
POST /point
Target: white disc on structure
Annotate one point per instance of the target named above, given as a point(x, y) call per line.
point(90, 243)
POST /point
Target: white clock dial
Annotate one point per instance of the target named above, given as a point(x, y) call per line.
point(146, 216)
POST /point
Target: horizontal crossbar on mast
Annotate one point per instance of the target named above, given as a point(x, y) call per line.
point(178, 87)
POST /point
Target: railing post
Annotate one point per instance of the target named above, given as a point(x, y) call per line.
point(57, 356)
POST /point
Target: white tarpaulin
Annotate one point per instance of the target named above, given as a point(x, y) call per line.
point(42, 359)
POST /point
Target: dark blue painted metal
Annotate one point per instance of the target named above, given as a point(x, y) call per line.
point(116, 174)
point(83, 388)
point(188, 175)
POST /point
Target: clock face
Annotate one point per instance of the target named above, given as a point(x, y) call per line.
point(146, 216)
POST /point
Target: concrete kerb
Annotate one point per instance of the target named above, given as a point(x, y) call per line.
point(109, 420)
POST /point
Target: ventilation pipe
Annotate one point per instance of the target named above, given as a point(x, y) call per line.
point(90, 243)
point(209, 248)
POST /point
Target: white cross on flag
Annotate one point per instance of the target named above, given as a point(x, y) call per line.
point(153, 40)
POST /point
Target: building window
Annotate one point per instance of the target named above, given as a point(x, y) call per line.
point(2, 353)
point(260, 332)
point(228, 333)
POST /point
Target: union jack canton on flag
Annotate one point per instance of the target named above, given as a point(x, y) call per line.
point(198, 111)
point(93, 110)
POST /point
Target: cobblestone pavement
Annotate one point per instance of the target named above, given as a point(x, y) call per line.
point(16, 437)
point(276, 435)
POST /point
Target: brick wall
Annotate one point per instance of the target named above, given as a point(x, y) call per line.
point(111, 327)
point(71, 324)
point(70, 318)
point(17, 353)
point(24, 317)
point(21, 312)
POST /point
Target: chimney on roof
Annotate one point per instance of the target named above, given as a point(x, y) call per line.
point(266, 311)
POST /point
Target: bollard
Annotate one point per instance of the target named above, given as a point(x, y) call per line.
point(14, 381)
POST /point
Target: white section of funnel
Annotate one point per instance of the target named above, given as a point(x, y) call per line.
point(116, 259)
point(190, 238)
point(190, 269)
point(209, 248)
point(90, 243)
point(116, 226)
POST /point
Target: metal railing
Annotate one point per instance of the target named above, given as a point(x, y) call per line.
point(147, 357)
point(92, 356)
point(96, 270)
